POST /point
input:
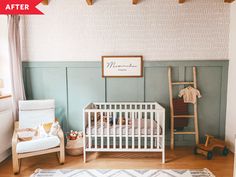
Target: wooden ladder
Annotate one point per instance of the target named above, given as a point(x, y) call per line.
point(172, 114)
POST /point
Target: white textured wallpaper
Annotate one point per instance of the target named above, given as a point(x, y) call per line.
point(156, 29)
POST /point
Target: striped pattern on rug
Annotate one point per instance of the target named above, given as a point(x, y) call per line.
point(122, 173)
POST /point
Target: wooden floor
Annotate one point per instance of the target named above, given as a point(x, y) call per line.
point(181, 158)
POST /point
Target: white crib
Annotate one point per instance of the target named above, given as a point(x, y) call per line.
point(124, 127)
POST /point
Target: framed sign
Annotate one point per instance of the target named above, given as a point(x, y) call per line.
point(122, 66)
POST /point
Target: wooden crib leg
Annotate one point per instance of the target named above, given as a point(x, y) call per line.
point(84, 156)
point(163, 156)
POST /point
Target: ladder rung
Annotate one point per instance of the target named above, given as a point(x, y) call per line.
point(184, 133)
point(184, 116)
point(181, 83)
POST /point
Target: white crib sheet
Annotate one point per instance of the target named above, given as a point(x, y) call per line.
point(123, 128)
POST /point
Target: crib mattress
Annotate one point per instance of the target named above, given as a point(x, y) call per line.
point(143, 131)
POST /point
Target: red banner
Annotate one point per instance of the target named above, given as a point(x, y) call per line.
point(19, 7)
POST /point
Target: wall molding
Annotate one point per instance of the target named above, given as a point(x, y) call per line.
point(82, 82)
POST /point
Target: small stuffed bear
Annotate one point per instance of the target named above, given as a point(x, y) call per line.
point(73, 135)
point(122, 121)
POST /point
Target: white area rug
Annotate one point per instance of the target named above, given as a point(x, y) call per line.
point(122, 173)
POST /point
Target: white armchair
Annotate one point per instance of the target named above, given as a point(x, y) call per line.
point(31, 114)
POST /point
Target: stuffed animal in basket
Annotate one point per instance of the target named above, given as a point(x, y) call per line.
point(73, 135)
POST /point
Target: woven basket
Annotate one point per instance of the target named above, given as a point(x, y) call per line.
point(74, 147)
point(75, 151)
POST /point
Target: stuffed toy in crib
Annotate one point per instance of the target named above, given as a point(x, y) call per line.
point(111, 121)
point(117, 121)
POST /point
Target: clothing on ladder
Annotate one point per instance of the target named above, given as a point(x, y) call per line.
point(190, 94)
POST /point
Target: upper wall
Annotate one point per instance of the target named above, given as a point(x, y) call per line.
point(156, 29)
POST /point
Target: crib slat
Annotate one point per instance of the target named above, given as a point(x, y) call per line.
point(139, 129)
point(120, 121)
point(158, 130)
point(95, 131)
point(84, 131)
point(145, 129)
point(133, 113)
point(163, 136)
point(126, 126)
point(102, 129)
point(114, 130)
point(89, 126)
point(151, 130)
point(108, 130)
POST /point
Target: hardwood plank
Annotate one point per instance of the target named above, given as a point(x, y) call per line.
point(135, 1)
point(89, 2)
point(181, 1)
point(180, 158)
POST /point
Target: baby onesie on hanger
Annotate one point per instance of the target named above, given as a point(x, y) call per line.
point(190, 94)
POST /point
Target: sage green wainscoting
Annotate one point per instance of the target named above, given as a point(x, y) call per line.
point(75, 84)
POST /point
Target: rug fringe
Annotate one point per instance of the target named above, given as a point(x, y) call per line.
point(35, 172)
point(209, 172)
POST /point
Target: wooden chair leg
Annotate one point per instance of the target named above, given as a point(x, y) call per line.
point(61, 157)
point(15, 164)
point(61, 153)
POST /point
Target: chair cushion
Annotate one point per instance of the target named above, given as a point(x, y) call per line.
point(35, 112)
point(38, 144)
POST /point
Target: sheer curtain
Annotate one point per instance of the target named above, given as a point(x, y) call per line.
point(18, 91)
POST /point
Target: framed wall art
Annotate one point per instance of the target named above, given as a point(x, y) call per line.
point(122, 66)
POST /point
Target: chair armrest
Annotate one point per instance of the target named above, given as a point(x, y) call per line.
point(15, 136)
point(16, 125)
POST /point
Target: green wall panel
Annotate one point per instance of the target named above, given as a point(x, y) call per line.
point(75, 84)
point(125, 89)
point(85, 85)
point(48, 83)
point(209, 84)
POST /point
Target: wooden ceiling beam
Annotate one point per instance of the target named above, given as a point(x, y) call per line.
point(135, 1)
point(89, 2)
point(181, 1)
point(45, 2)
point(229, 1)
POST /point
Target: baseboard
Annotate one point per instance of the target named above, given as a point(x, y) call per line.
point(5, 154)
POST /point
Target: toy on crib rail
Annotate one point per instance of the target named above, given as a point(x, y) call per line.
point(210, 144)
